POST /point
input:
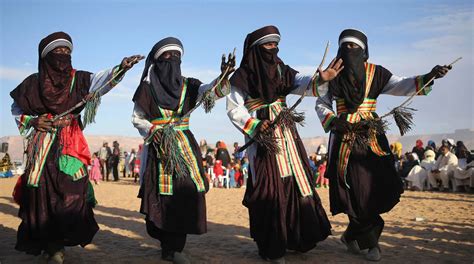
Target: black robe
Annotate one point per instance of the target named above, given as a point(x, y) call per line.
point(280, 217)
point(58, 209)
point(185, 210)
point(375, 187)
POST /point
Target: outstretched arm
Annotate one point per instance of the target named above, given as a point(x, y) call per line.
point(105, 80)
point(403, 86)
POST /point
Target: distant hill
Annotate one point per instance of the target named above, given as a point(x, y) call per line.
point(311, 144)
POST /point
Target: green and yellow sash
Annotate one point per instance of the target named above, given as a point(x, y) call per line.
point(288, 160)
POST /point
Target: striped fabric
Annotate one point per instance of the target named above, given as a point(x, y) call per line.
point(160, 122)
point(165, 181)
point(251, 125)
point(288, 160)
point(115, 81)
point(73, 81)
point(23, 124)
point(368, 105)
point(81, 173)
point(327, 121)
point(253, 105)
point(220, 90)
point(419, 83)
point(43, 146)
point(314, 87)
point(364, 112)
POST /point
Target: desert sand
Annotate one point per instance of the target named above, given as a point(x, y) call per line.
point(425, 227)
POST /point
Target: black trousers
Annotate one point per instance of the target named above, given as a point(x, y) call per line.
point(170, 241)
point(366, 231)
point(115, 170)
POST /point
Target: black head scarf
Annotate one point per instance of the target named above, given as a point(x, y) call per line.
point(350, 84)
point(49, 90)
point(262, 74)
point(162, 75)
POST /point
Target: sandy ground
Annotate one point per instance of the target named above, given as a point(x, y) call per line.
point(445, 235)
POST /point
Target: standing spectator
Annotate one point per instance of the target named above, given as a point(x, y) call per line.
point(130, 163)
point(321, 181)
point(126, 159)
point(218, 172)
point(418, 149)
point(104, 154)
point(115, 160)
point(230, 173)
point(136, 165)
point(239, 179)
point(446, 162)
point(94, 172)
point(237, 154)
point(222, 153)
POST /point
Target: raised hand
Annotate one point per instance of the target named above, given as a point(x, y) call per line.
point(334, 68)
point(128, 62)
point(228, 65)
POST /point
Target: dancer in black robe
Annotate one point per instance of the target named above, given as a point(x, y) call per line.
point(284, 209)
point(364, 183)
point(54, 193)
point(173, 206)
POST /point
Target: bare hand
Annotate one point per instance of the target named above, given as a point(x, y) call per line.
point(128, 62)
point(42, 123)
point(439, 71)
point(228, 65)
point(334, 68)
point(264, 126)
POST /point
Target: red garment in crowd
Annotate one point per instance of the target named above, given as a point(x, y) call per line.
point(238, 177)
point(218, 171)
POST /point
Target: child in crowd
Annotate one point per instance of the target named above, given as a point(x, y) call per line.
point(94, 171)
point(321, 181)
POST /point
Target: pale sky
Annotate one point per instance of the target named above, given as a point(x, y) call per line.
point(406, 37)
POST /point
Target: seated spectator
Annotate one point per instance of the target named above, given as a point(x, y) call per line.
point(6, 167)
point(463, 178)
point(418, 175)
point(444, 166)
point(418, 149)
point(405, 167)
point(396, 149)
point(432, 146)
point(462, 154)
